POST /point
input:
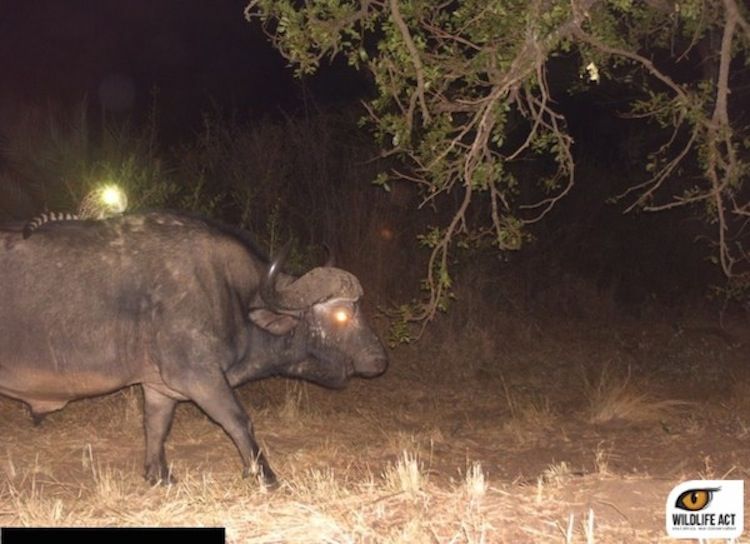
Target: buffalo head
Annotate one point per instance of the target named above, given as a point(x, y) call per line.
point(319, 314)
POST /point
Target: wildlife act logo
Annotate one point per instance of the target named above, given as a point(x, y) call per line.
point(706, 509)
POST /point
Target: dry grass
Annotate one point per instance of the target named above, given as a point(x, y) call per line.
point(601, 461)
point(530, 415)
point(395, 501)
point(557, 475)
point(296, 406)
point(401, 506)
point(476, 482)
point(613, 397)
point(407, 475)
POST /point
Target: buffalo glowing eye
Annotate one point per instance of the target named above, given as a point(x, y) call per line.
point(341, 316)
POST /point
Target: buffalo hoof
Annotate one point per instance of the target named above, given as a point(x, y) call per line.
point(265, 476)
point(159, 476)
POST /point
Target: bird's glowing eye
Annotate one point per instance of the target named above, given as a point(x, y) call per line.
point(113, 197)
point(341, 316)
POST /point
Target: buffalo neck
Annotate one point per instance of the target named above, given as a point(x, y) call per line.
point(267, 355)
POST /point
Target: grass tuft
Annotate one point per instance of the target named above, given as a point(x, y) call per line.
point(406, 475)
point(476, 482)
point(613, 397)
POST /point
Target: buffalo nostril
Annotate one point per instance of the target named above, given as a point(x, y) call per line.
point(372, 367)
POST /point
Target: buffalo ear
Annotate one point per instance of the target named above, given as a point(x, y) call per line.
point(278, 324)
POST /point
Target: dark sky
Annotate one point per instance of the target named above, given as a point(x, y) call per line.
point(197, 53)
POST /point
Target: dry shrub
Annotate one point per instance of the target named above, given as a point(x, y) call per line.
point(613, 397)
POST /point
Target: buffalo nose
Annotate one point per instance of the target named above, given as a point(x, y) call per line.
point(373, 367)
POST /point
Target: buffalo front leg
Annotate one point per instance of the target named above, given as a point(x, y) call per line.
point(158, 412)
point(221, 405)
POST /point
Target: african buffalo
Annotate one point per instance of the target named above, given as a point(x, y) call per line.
point(183, 306)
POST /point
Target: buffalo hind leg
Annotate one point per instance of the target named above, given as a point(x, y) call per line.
point(221, 405)
point(158, 411)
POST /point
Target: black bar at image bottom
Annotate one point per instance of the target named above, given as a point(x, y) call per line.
point(112, 535)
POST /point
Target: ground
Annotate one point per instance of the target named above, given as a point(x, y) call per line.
point(525, 431)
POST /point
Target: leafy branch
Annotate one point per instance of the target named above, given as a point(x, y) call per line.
point(463, 95)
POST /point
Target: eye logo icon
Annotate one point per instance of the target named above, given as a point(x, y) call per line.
point(695, 500)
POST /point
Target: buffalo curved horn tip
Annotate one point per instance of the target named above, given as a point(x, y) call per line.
point(331, 255)
point(268, 284)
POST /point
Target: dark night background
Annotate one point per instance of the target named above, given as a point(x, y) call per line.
point(195, 55)
point(183, 59)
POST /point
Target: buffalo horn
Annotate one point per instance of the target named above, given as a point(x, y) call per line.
point(317, 285)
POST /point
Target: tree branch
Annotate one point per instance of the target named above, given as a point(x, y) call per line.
point(646, 63)
point(734, 11)
point(415, 58)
